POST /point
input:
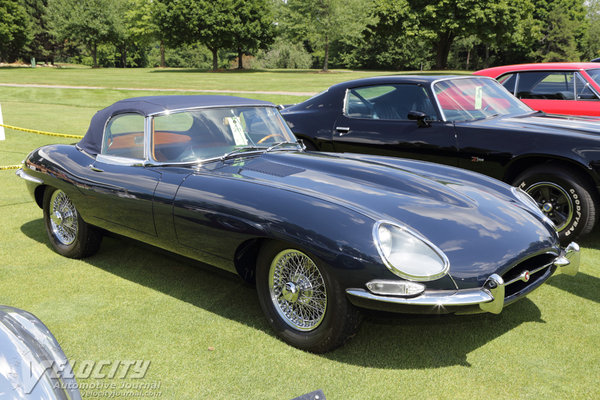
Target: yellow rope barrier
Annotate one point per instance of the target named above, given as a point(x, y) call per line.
point(7, 167)
point(16, 128)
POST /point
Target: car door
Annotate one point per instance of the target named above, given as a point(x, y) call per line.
point(375, 120)
point(121, 188)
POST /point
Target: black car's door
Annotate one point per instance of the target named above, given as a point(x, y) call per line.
point(375, 120)
point(120, 189)
point(122, 196)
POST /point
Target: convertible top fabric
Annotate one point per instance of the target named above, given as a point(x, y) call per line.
point(92, 141)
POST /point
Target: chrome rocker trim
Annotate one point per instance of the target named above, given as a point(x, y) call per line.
point(22, 174)
point(489, 298)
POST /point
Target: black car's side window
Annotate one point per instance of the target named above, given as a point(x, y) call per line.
point(124, 136)
point(387, 102)
point(509, 82)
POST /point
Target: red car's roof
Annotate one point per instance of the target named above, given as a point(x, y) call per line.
point(497, 71)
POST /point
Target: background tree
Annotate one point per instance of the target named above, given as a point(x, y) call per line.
point(444, 21)
point(43, 45)
point(253, 26)
point(88, 22)
point(392, 40)
point(14, 29)
point(322, 22)
point(593, 40)
point(213, 26)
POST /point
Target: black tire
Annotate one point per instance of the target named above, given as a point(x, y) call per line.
point(564, 196)
point(69, 234)
point(333, 319)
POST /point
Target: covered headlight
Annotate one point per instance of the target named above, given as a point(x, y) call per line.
point(408, 254)
point(530, 203)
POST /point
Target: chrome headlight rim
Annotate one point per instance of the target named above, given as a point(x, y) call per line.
point(395, 269)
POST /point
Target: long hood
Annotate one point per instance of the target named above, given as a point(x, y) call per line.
point(578, 126)
point(462, 213)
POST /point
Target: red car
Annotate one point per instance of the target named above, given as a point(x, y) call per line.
point(555, 88)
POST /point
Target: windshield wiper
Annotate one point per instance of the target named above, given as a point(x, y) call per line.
point(240, 151)
point(279, 144)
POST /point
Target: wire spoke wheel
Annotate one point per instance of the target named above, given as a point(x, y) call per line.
point(554, 201)
point(297, 290)
point(63, 218)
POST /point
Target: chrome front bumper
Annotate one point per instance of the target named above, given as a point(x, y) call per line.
point(489, 298)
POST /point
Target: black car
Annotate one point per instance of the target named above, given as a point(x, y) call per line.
point(469, 122)
point(223, 180)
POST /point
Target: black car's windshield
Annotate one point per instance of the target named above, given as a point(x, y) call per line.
point(594, 74)
point(469, 99)
point(213, 133)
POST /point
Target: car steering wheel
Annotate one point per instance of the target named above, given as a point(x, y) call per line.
point(272, 135)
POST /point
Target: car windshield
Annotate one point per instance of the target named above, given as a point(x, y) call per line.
point(594, 74)
point(469, 99)
point(202, 134)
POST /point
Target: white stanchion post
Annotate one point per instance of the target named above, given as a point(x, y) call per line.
point(2, 137)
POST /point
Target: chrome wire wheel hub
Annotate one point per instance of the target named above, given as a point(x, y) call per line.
point(63, 218)
point(554, 201)
point(297, 290)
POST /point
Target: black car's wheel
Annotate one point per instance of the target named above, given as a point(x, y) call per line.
point(69, 234)
point(565, 198)
point(304, 305)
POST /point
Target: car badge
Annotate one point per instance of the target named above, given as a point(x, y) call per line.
point(525, 275)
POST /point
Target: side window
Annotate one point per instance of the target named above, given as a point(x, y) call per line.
point(124, 136)
point(583, 89)
point(388, 102)
point(547, 85)
point(508, 81)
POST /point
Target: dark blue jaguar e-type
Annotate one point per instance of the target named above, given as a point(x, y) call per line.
point(223, 180)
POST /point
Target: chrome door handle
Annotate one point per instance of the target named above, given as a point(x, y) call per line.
point(342, 129)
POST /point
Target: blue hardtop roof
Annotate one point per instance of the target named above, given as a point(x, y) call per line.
point(150, 105)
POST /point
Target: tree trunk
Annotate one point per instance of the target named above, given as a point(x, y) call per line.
point(240, 58)
point(215, 55)
point(443, 49)
point(326, 58)
point(468, 57)
point(124, 57)
point(94, 51)
point(163, 64)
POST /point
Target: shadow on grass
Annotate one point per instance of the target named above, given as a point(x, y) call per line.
point(384, 341)
point(582, 285)
point(592, 240)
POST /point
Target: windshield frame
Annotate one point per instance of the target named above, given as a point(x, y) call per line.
point(525, 107)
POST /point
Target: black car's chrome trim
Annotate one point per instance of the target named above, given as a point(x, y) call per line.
point(490, 297)
point(394, 269)
point(116, 160)
point(465, 297)
point(23, 175)
point(179, 110)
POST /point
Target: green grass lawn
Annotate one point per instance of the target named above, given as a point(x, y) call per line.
point(203, 331)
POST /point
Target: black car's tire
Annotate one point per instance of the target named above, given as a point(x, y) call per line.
point(69, 234)
point(305, 306)
point(564, 196)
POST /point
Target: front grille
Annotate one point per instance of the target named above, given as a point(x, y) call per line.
point(539, 268)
